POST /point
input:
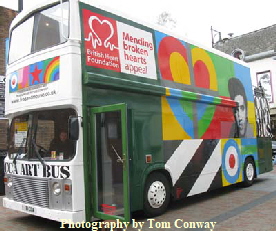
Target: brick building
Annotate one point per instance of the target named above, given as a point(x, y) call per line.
point(6, 16)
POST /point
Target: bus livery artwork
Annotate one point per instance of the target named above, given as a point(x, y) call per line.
point(109, 116)
point(38, 73)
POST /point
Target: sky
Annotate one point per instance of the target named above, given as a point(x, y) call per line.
point(193, 18)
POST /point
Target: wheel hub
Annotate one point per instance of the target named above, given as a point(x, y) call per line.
point(250, 171)
point(156, 194)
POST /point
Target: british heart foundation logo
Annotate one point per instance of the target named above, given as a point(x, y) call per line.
point(101, 41)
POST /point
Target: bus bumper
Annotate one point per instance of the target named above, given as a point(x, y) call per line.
point(57, 215)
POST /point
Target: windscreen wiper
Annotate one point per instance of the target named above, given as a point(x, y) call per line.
point(42, 161)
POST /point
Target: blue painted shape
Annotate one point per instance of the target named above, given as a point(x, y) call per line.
point(159, 36)
point(13, 82)
point(176, 93)
point(201, 109)
point(181, 116)
point(243, 74)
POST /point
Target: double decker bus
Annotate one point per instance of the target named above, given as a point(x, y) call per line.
point(109, 116)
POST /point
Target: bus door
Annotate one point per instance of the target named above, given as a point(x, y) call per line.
point(110, 184)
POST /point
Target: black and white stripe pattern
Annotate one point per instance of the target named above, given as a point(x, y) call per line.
point(195, 166)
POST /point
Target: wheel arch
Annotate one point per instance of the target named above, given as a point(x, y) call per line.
point(154, 169)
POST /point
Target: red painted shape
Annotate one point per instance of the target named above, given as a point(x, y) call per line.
point(202, 76)
point(167, 46)
point(178, 192)
point(232, 161)
point(36, 74)
point(221, 124)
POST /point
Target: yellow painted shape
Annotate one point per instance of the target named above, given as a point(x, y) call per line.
point(172, 130)
point(179, 68)
point(168, 93)
point(252, 117)
point(200, 54)
point(224, 181)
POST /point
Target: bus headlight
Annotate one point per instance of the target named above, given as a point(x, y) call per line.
point(56, 189)
point(8, 181)
point(60, 194)
point(8, 186)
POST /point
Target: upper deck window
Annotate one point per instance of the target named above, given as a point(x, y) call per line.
point(42, 30)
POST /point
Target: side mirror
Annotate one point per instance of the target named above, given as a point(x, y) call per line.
point(73, 124)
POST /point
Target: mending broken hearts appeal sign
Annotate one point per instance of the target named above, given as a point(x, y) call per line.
point(116, 46)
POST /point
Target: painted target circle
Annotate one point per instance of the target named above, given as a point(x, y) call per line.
point(13, 81)
point(231, 161)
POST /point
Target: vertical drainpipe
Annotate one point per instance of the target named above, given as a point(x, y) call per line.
point(20, 5)
point(7, 43)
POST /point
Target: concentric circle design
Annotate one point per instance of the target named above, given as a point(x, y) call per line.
point(231, 161)
point(14, 81)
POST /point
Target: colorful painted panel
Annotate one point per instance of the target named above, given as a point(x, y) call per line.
point(217, 79)
point(220, 126)
point(45, 71)
point(177, 114)
point(188, 115)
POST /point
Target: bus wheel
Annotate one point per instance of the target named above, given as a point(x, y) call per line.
point(156, 194)
point(248, 172)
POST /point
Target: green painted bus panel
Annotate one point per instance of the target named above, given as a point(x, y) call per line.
point(144, 132)
point(224, 71)
point(264, 154)
point(92, 79)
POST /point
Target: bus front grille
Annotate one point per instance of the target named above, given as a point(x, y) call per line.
point(31, 191)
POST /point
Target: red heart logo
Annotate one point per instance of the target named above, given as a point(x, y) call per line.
point(102, 32)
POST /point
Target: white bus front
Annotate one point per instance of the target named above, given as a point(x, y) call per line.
point(44, 167)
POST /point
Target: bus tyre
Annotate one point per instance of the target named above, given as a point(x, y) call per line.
point(156, 194)
point(248, 172)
